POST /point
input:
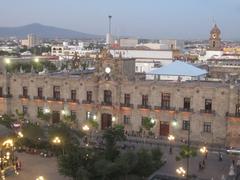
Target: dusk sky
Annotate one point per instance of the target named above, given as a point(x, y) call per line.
point(182, 19)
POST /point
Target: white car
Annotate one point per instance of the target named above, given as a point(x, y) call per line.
point(233, 150)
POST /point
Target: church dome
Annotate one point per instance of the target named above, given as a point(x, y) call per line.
point(215, 29)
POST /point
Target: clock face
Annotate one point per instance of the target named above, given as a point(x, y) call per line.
point(214, 36)
point(107, 70)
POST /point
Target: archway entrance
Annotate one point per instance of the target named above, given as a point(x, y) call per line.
point(106, 121)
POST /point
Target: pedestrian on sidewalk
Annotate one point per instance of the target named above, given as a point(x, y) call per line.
point(220, 156)
point(203, 163)
point(200, 165)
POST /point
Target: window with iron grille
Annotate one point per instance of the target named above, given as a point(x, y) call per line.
point(208, 105)
point(186, 103)
point(89, 96)
point(237, 111)
point(186, 125)
point(73, 94)
point(56, 92)
point(165, 100)
point(144, 100)
point(126, 119)
point(126, 99)
point(40, 92)
point(207, 127)
point(108, 97)
point(25, 91)
point(73, 115)
point(89, 115)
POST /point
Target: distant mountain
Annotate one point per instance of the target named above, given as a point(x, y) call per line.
point(43, 32)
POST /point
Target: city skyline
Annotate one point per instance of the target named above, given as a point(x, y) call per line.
point(172, 19)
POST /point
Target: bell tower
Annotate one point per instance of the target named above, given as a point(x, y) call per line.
point(215, 39)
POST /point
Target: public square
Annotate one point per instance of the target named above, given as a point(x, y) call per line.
point(34, 166)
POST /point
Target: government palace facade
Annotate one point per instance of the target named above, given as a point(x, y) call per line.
point(113, 94)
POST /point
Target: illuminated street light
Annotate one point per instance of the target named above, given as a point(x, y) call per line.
point(180, 171)
point(85, 128)
point(36, 60)
point(174, 123)
point(56, 140)
point(20, 134)
point(203, 150)
point(8, 142)
point(171, 138)
point(7, 61)
point(152, 121)
point(113, 119)
point(40, 178)
point(46, 110)
point(94, 117)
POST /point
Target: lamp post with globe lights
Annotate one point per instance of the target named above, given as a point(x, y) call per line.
point(86, 129)
point(171, 138)
point(189, 152)
point(57, 141)
point(181, 171)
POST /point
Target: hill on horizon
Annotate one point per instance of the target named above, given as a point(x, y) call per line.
point(43, 31)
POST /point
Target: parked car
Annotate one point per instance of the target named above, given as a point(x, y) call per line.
point(233, 150)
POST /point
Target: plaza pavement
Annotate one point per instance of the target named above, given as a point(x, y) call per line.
point(34, 166)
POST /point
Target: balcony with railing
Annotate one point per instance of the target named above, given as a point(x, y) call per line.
point(24, 96)
point(55, 99)
point(73, 101)
point(104, 103)
point(87, 102)
point(144, 106)
point(234, 115)
point(126, 105)
point(7, 96)
point(185, 110)
point(164, 108)
point(207, 111)
point(39, 97)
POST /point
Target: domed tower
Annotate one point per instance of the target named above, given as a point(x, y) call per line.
point(215, 39)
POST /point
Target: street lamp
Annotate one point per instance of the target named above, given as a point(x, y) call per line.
point(203, 150)
point(170, 138)
point(56, 140)
point(86, 129)
point(7, 61)
point(40, 178)
point(180, 171)
point(20, 134)
point(36, 60)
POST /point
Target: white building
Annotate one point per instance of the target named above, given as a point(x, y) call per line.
point(145, 59)
point(67, 51)
point(177, 71)
point(128, 42)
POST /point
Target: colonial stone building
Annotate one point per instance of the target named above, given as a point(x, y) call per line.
point(112, 94)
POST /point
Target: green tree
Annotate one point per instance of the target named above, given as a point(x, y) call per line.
point(144, 166)
point(7, 120)
point(186, 152)
point(127, 162)
point(111, 136)
point(44, 116)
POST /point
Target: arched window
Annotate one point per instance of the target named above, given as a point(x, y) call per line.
point(214, 44)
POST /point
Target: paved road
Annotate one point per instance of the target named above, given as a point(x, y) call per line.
point(34, 166)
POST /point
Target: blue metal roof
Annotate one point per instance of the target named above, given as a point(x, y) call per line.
point(178, 68)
